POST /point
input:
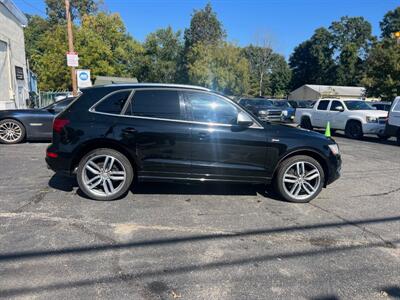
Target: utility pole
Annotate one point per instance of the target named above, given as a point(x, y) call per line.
point(71, 46)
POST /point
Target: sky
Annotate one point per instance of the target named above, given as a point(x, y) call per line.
point(286, 23)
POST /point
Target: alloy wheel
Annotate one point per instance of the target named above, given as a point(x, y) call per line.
point(301, 180)
point(104, 175)
point(10, 132)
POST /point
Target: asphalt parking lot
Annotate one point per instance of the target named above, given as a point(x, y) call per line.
point(170, 241)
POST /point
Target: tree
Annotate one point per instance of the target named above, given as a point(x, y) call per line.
point(390, 23)
point(351, 39)
point(55, 9)
point(219, 67)
point(204, 28)
point(280, 76)
point(382, 77)
point(260, 58)
point(163, 50)
point(312, 61)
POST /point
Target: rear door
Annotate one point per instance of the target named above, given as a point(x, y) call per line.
point(222, 150)
point(158, 133)
point(321, 114)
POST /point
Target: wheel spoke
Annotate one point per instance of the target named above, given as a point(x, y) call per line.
point(92, 170)
point(300, 168)
point(110, 185)
point(312, 175)
point(289, 178)
point(95, 184)
point(108, 163)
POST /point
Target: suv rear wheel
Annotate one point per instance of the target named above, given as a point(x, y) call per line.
point(299, 179)
point(104, 174)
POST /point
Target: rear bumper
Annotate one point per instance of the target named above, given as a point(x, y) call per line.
point(59, 164)
point(373, 128)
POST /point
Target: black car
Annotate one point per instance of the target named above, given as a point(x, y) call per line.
point(263, 109)
point(29, 124)
point(302, 103)
point(156, 132)
point(381, 105)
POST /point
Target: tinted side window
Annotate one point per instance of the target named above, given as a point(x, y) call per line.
point(323, 105)
point(211, 109)
point(162, 104)
point(114, 103)
point(335, 105)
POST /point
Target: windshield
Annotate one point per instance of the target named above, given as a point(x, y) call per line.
point(267, 103)
point(282, 104)
point(358, 105)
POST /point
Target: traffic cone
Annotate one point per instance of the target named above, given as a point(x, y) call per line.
point(328, 129)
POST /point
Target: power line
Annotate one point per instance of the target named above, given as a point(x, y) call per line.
point(34, 7)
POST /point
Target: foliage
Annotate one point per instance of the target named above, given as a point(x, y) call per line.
point(383, 70)
point(204, 28)
point(163, 50)
point(312, 61)
point(390, 22)
point(56, 13)
point(220, 67)
point(280, 77)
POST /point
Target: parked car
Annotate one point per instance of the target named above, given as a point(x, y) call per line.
point(29, 124)
point(302, 103)
point(161, 132)
point(393, 122)
point(381, 105)
point(288, 112)
point(264, 109)
point(355, 117)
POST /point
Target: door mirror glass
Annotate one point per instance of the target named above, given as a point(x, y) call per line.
point(340, 108)
point(244, 119)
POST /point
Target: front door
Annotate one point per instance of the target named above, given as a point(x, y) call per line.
point(222, 150)
point(321, 114)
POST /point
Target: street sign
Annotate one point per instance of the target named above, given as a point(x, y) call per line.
point(72, 59)
point(83, 77)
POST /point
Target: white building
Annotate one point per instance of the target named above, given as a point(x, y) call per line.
point(315, 92)
point(13, 71)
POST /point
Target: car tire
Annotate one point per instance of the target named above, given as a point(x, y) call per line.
point(13, 127)
point(354, 130)
point(104, 174)
point(306, 123)
point(309, 181)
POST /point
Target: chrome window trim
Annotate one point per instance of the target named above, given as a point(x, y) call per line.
point(93, 107)
point(256, 124)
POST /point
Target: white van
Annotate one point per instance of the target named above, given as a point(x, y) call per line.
point(393, 122)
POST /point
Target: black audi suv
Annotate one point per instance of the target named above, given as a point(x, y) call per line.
point(112, 134)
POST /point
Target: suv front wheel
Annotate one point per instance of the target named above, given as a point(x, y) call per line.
point(104, 174)
point(299, 179)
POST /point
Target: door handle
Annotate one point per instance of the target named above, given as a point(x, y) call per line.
point(129, 130)
point(203, 135)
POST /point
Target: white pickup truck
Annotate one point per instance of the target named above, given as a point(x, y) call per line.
point(355, 117)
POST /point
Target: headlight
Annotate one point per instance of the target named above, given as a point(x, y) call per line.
point(372, 120)
point(334, 148)
point(263, 112)
point(285, 113)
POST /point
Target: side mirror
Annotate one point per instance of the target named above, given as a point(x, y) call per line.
point(244, 120)
point(340, 108)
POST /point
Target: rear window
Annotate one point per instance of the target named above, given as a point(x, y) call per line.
point(114, 102)
point(323, 105)
point(163, 104)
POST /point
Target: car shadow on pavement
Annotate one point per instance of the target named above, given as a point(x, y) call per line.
point(366, 138)
point(68, 184)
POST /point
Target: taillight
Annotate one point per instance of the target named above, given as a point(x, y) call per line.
point(59, 124)
point(52, 154)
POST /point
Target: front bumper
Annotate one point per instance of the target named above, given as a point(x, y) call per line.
point(373, 128)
